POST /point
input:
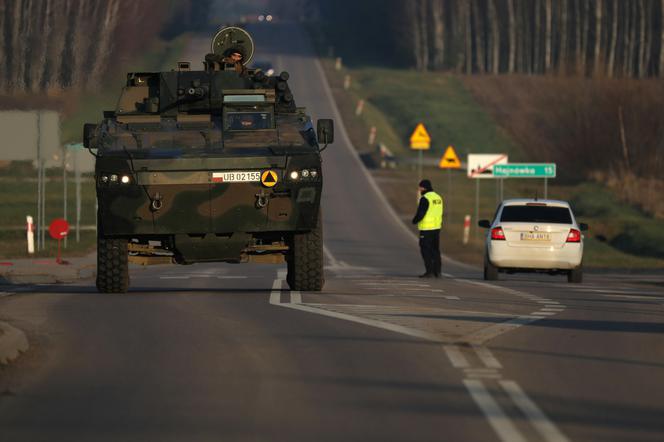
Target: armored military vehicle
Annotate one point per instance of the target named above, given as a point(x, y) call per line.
point(216, 165)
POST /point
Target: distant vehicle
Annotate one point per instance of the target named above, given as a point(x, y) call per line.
point(264, 66)
point(533, 235)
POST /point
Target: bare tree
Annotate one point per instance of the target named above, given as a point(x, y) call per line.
point(495, 38)
point(511, 66)
point(598, 34)
point(548, 38)
point(438, 18)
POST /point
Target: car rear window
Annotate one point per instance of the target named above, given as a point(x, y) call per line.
point(536, 214)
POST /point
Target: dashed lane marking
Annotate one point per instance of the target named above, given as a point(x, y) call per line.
point(497, 418)
point(6, 294)
point(537, 418)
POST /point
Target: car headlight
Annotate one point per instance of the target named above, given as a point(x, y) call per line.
point(125, 179)
point(104, 179)
point(314, 173)
point(305, 174)
point(294, 175)
point(114, 178)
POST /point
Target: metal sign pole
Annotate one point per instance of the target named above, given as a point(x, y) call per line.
point(42, 229)
point(546, 188)
point(64, 188)
point(39, 214)
point(419, 164)
point(477, 204)
point(77, 179)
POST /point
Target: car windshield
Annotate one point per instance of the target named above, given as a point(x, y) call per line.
point(536, 214)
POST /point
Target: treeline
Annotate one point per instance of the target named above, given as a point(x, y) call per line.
point(55, 44)
point(613, 38)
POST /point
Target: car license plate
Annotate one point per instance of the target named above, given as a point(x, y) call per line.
point(237, 176)
point(535, 236)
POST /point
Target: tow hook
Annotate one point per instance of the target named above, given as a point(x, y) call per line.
point(156, 203)
point(262, 199)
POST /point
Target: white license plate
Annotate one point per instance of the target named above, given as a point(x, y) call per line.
point(535, 236)
point(237, 176)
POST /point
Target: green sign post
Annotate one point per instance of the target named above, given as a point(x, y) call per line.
point(525, 170)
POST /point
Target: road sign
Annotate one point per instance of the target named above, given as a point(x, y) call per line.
point(420, 139)
point(525, 170)
point(58, 229)
point(482, 165)
point(450, 160)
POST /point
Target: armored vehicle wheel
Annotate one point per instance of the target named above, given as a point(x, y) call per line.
point(112, 265)
point(305, 261)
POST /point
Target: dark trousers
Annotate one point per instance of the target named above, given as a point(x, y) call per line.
point(430, 249)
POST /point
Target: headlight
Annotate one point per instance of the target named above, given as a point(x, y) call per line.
point(305, 173)
point(314, 173)
point(294, 175)
point(114, 178)
point(104, 179)
point(125, 179)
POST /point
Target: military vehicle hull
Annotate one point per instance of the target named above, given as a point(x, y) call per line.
point(195, 208)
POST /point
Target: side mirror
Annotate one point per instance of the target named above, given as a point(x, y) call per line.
point(485, 223)
point(325, 131)
point(583, 227)
point(89, 135)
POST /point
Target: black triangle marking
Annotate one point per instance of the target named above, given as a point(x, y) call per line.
point(269, 178)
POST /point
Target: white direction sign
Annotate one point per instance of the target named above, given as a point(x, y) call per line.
point(481, 165)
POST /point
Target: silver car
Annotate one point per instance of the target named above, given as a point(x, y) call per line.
point(534, 235)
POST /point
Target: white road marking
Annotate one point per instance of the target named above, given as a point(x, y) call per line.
point(231, 277)
point(536, 417)
point(452, 298)
point(275, 294)
point(296, 297)
point(456, 357)
point(392, 284)
point(540, 313)
point(174, 277)
point(481, 336)
point(5, 294)
point(652, 298)
point(487, 357)
point(609, 291)
point(553, 309)
point(497, 418)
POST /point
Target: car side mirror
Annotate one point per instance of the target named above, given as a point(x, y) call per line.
point(325, 131)
point(89, 135)
point(485, 223)
point(583, 227)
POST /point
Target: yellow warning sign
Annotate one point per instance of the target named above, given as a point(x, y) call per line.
point(450, 160)
point(420, 139)
point(269, 178)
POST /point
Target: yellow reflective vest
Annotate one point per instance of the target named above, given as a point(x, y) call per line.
point(433, 219)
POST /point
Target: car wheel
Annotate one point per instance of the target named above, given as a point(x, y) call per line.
point(490, 271)
point(575, 276)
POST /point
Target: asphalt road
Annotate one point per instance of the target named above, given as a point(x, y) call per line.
point(223, 352)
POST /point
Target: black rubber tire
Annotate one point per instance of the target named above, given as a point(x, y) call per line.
point(112, 265)
point(490, 271)
point(575, 276)
point(305, 261)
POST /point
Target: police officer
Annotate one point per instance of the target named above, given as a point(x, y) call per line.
point(429, 220)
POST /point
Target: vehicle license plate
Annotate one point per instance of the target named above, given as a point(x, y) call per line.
point(237, 176)
point(535, 236)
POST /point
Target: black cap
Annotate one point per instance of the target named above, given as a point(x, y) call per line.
point(426, 184)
